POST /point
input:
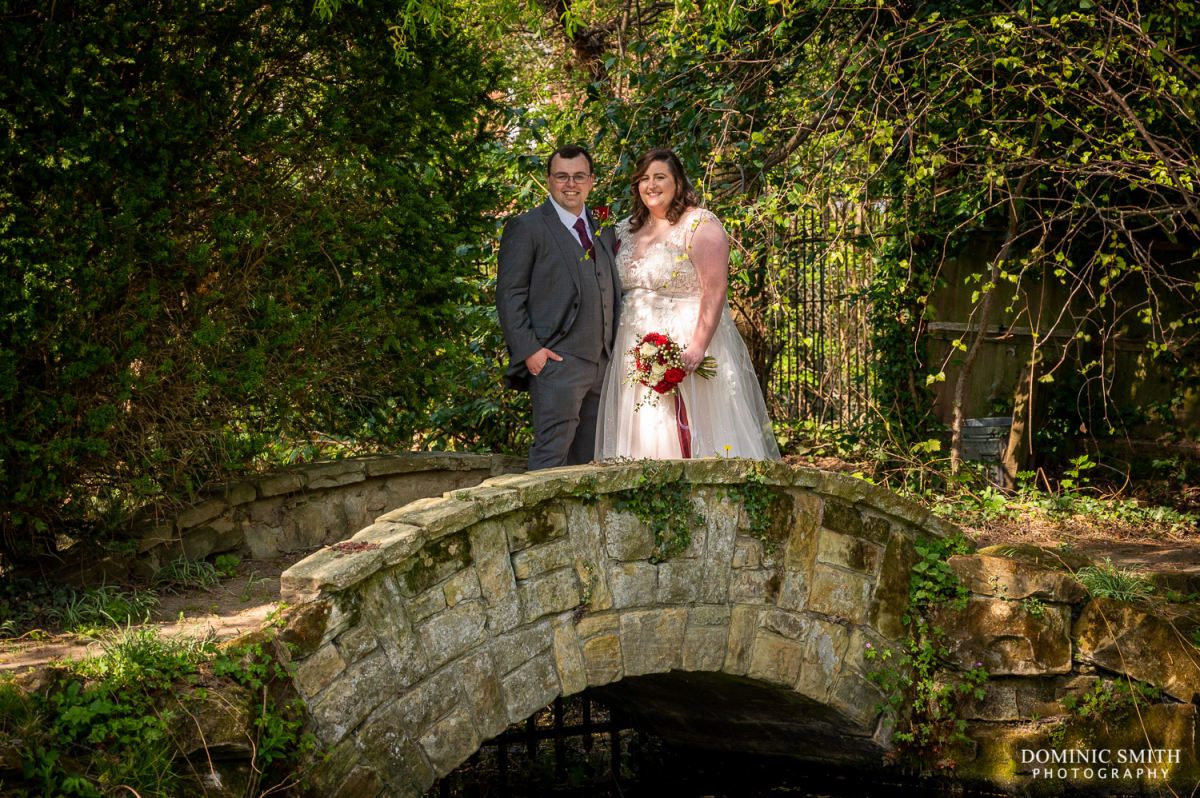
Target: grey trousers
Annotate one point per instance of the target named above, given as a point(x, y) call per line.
point(565, 396)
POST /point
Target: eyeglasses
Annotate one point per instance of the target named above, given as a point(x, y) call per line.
point(564, 178)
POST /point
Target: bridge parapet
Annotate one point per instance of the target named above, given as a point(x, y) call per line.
point(434, 628)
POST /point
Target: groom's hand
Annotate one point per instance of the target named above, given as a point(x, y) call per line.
point(537, 361)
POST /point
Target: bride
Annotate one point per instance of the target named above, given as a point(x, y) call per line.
point(673, 263)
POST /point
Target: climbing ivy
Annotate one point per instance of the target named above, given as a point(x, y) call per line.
point(665, 505)
point(756, 497)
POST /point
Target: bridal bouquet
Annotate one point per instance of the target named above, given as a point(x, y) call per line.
point(656, 363)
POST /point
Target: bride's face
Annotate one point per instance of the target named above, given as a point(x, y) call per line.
point(657, 188)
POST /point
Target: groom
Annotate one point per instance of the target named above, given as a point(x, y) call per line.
point(558, 295)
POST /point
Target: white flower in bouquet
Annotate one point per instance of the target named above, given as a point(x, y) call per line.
point(658, 370)
point(648, 350)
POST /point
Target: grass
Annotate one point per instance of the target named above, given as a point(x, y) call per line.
point(1114, 582)
point(99, 608)
point(183, 573)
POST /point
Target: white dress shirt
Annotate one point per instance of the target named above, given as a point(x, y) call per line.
point(568, 219)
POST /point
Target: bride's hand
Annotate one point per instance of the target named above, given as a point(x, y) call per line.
point(692, 358)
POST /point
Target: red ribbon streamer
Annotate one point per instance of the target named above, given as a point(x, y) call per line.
point(681, 425)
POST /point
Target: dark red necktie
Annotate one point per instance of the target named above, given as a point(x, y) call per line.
point(581, 228)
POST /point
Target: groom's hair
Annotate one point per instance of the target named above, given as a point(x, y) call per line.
point(566, 153)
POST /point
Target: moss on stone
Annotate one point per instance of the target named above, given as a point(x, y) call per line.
point(433, 563)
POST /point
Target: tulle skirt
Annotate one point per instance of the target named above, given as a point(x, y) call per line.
point(726, 414)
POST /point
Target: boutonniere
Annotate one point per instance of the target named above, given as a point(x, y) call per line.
point(601, 213)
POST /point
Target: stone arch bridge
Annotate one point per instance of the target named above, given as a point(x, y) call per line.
point(433, 629)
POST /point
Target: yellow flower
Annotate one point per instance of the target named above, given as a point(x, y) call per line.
point(728, 447)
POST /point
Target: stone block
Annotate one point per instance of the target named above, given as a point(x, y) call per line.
point(704, 648)
point(307, 526)
point(857, 701)
point(427, 604)
point(851, 553)
point(743, 624)
point(448, 744)
point(327, 571)
point(634, 584)
point(153, 532)
point(587, 538)
point(384, 614)
point(363, 782)
point(679, 581)
point(748, 553)
point(851, 490)
point(334, 473)
point(481, 693)
point(1070, 561)
point(827, 645)
point(397, 542)
point(890, 602)
point(776, 660)
point(530, 687)
point(461, 587)
point(198, 543)
point(754, 586)
point(329, 772)
point(452, 632)
point(841, 517)
point(592, 625)
point(537, 560)
point(839, 594)
point(392, 753)
point(800, 552)
point(876, 528)
point(786, 624)
point(359, 690)
point(282, 483)
point(419, 708)
point(548, 594)
point(1006, 638)
point(490, 501)
point(1001, 577)
point(1128, 638)
point(306, 628)
point(435, 561)
point(602, 659)
point(261, 543)
point(356, 643)
point(435, 515)
point(535, 525)
point(319, 670)
point(709, 615)
point(514, 649)
point(493, 568)
point(537, 486)
point(568, 658)
point(200, 513)
point(722, 536)
point(628, 537)
point(652, 640)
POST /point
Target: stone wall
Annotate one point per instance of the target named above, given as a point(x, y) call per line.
point(293, 509)
point(447, 620)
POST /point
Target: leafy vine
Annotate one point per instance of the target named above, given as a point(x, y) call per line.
point(665, 505)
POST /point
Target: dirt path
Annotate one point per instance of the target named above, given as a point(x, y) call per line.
point(239, 604)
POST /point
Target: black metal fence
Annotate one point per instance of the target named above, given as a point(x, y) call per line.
point(819, 355)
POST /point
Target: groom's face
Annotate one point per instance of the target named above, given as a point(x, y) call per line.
point(570, 181)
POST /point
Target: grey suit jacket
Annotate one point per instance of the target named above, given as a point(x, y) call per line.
point(538, 286)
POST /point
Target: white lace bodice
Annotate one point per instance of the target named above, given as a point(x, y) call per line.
point(666, 267)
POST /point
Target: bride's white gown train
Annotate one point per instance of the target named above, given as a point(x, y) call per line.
point(726, 414)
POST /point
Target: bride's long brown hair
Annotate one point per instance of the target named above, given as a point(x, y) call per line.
point(685, 195)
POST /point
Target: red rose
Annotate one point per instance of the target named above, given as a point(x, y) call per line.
point(656, 339)
point(674, 376)
point(601, 213)
point(663, 387)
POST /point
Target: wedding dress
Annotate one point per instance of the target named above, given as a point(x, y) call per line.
point(726, 415)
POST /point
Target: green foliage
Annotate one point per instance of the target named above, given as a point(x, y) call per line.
point(109, 723)
point(932, 581)
point(226, 565)
point(928, 723)
point(224, 232)
point(182, 573)
point(1111, 581)
point(757, 499)
point(1107, 703)
point(665, 505)
point(103, 607)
